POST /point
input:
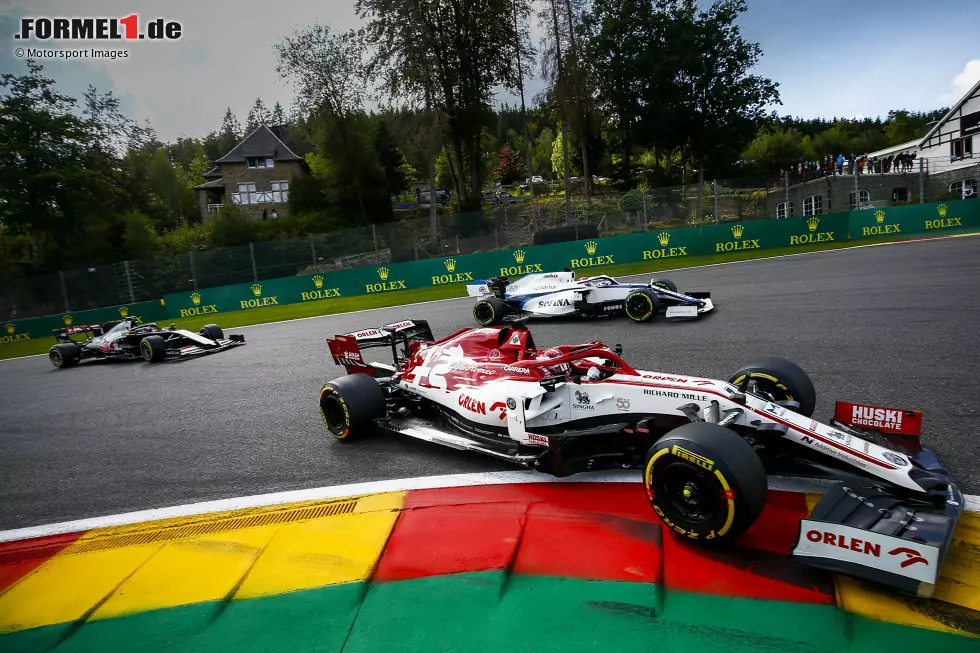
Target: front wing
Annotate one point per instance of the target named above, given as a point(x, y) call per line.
point(192, 349)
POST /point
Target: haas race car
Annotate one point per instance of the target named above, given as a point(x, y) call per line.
point(705, 446)
point(554, 294)
point(130, 338)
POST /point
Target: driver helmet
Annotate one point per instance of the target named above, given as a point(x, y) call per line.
point(552, 352)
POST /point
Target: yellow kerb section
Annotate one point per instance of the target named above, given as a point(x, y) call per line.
point(223, 556)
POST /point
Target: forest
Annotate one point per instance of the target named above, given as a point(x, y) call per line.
point(636, 92)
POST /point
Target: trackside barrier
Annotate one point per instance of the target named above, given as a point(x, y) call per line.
point(43, 327)
point(714, 239)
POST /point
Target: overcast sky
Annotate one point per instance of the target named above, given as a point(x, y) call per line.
point(830, 57)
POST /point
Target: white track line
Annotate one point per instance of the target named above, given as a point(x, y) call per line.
point(374, 487)
point(629, 276)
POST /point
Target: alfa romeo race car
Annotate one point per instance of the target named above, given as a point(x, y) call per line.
point(705, 445)
point(552, 294)
point(130, 338)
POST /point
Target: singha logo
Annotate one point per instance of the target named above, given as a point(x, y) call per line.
point(879, 216)
point(196, 298)
point(450, 264)
point(318, 281)
point(383, 273)
point(664, 238)
point(519, 255)
point(738, 230)
point(942, 210)
point(67, 319)
point(591, 247)
point(813, 223)
point(581, 397)
point(256, 289)
point(11, 328)
point(123, 311)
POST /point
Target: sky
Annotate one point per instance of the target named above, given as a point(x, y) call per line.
point(831, 58)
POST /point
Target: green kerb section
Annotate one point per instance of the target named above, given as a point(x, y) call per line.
point(490, 611)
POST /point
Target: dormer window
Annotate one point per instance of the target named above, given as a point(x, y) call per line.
point(260, 162)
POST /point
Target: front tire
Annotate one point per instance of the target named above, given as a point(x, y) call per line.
point(153, 349)
point(781, 379)
point(666, 284)
point(67, 354)
point(350, 404)
point(489, 311)
point(706, 482)
point(212, 331)
point(642, 305)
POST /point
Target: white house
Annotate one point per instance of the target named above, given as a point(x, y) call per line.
point(953, 143)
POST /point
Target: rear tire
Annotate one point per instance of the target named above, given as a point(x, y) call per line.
point(666, 284)
point(489, 311)
point(350, 404)
point(705, 482)
point(153, 349)
point(782, 379)
point(212, 331)
point(66, 354)
point(642, 305)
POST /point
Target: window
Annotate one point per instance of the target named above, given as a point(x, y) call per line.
point(900, 195)
point(964, 188)
point(781, 209)
point(260, 162)
point(280, 191)
point(246, 187)
point(865, 199)
point(813, 205)
point(961, 148)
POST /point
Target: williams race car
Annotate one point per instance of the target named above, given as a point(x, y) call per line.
point(552, 294)
point(130, 338)
point(705, 446)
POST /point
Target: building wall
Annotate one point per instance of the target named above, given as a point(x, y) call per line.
point(835, 191)
point(236, 173)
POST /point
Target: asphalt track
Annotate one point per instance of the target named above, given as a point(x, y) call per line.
point(895, 325)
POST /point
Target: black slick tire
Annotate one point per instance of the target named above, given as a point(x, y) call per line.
point(642, 305)
point(780, 378)
point(666, 284)
point(212, 331)
point(349, 405)
point(705, 482)
point(65, 354)
point(489, 311)
point(153, 349)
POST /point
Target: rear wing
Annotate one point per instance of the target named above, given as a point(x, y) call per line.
point(495, 286)
point(64, 335)
point(346, 349)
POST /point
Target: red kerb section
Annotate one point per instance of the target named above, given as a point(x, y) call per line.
point(17, 559)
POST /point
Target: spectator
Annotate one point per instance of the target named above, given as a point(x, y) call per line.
point(265, 215)
point(840, 164)
point(275, 213)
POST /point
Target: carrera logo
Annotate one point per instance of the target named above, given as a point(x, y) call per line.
point(853, 545)
point(514, 369)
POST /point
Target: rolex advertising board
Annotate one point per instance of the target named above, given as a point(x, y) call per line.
point(914, 219)
point(37, 328)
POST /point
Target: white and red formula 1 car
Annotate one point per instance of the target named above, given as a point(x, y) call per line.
point(705, 446)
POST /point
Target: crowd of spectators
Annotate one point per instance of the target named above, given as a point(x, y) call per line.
point(839, 165)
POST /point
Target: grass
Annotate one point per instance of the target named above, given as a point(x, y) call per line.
point(234, 319)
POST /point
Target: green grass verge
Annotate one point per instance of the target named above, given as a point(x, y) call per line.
point(234, 319)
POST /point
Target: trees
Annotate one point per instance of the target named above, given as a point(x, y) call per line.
point(448, 56)
point(257, 115)
point(775, 149)
point(510, 166)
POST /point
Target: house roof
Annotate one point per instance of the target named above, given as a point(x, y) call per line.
point(212, 173)
point(963, 100)
point(214, 183)
point(911, 145)
point(260, 143)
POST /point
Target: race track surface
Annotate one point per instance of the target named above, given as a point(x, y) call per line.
point(894, 325)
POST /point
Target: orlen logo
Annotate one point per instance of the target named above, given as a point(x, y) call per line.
point(876, 417)
point(844, 542)
point(97, 29)
point(912, 556)
point(473, 405)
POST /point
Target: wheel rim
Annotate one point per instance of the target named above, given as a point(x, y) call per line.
point(146, 350)
point(692, 493)
point(483, 312)
point(55, 356)
point(639, 306)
